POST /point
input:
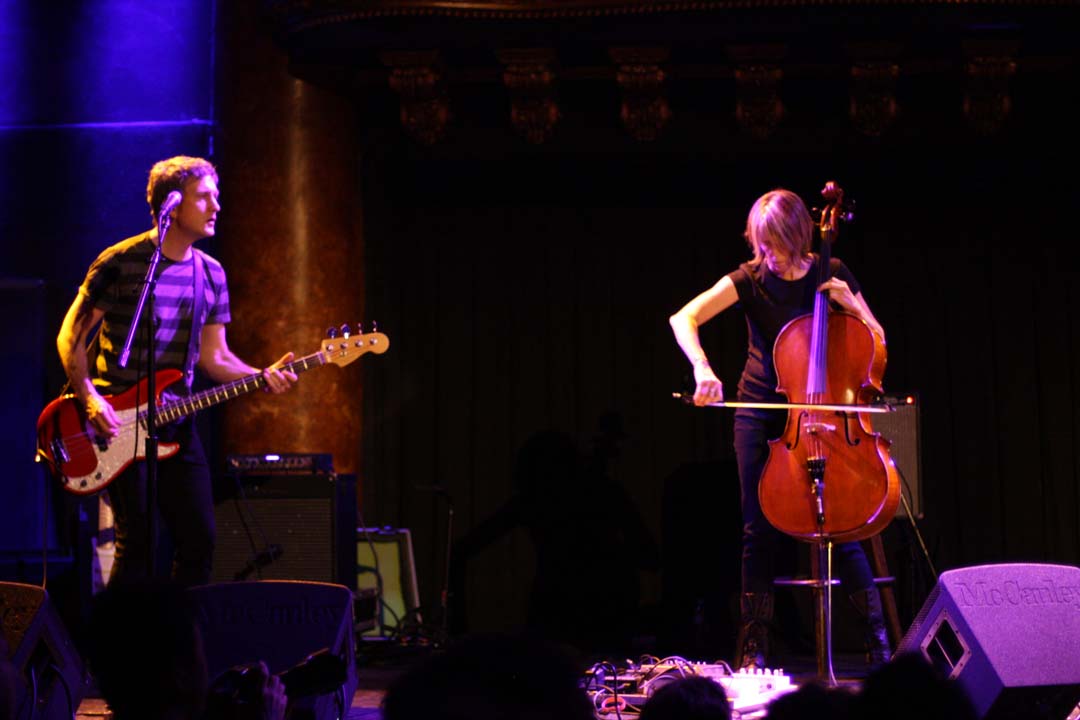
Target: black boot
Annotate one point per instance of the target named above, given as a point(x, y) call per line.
point(876, 640)
point(756, 610)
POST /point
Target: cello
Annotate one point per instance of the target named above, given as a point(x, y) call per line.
point(829, 477)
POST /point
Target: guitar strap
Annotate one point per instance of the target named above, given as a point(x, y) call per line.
point(197, 303)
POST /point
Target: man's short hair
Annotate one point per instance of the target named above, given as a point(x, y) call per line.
point(172, 174)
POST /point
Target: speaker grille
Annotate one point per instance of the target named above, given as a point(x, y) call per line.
point(285, 523)
point(48, 664)
point(1009, 634)
point(901, 428)
point(286, 527)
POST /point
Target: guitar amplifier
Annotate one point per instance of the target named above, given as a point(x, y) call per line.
point(385, 564)
point(280, 463)
point(901, 429)
point(286, 526)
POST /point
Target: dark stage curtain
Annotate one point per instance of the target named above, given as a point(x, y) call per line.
point(529, 292)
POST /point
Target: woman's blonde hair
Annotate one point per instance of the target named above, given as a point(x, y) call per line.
point(779, 219)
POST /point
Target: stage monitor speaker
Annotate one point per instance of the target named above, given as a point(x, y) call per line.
point(42, 652)
point(901, 428)
point(287, 527)
point(1008, 634)
point(387, 554)
point(280, 622)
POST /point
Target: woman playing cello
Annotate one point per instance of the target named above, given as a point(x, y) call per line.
point(775, 286)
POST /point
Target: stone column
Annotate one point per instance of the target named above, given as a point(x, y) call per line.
point(290, 238)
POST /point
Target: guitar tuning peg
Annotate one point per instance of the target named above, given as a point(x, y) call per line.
point(331, 332)
point(374, 326)
point(345, 330)
point(359, 328)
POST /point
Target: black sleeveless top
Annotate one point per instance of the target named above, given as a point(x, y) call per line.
point(769, 303)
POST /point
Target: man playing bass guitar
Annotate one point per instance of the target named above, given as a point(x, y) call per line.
point(189, 332)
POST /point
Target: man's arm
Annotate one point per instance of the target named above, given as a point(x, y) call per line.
point(80, 320)
point(222, 365)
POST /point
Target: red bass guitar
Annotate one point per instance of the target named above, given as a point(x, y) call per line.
point(86, 462)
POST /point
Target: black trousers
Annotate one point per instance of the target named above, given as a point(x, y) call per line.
point(185, 506)
point(766, 552)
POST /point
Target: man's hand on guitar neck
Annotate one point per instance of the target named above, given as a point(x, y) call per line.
point(278, 380)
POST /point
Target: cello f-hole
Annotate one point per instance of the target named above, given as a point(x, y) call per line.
point(798, 432)
point(852, 442)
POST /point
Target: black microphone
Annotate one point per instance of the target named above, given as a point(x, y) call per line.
point(261, 559)
point(169, 205)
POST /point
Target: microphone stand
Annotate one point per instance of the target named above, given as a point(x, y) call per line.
point(146, 302)
point(444, 596)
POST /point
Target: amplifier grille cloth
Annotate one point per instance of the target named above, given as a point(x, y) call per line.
point(300, 526)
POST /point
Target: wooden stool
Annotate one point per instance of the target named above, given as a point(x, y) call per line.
point(875, 553)
point(884, 581)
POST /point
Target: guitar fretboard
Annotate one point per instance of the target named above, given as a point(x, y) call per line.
point(182, 407)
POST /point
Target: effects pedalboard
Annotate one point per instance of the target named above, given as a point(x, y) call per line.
point(621, 692)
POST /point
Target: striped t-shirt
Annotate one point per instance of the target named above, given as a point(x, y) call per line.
point(113, 284)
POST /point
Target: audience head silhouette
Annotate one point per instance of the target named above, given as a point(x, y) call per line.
point(490, 677)
point(910, 687)
point(813, 701)
point(146, 652)
point(688, 698)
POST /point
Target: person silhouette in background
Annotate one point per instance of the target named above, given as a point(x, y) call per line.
point(588, 536)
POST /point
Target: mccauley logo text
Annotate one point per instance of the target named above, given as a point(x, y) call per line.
point(1013, 593)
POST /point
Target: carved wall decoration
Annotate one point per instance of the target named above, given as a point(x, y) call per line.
point(530, 78)
point(760, 60)
point(758, 106)
point(987, 102)
point(644, 111)
point(417, 78)
point(873, 106)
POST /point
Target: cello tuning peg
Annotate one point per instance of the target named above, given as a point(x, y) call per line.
point(848, 215)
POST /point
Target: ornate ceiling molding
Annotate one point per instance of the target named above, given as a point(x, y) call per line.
point(300, 15)
point(754, 62)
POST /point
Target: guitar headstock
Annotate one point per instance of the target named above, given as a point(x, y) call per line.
point(341, 346)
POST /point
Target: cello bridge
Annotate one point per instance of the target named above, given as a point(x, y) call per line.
point(818, 426)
